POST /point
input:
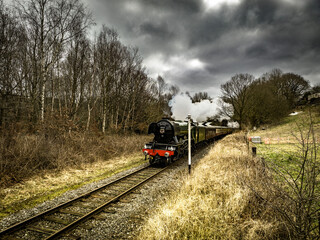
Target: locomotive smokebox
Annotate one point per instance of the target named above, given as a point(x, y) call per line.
point(164, 131)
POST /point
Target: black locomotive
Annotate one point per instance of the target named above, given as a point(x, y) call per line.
point(171, 139)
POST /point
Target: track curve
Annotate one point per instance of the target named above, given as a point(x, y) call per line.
point(58, 221)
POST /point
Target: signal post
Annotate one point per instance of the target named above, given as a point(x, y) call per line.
point(189, 143)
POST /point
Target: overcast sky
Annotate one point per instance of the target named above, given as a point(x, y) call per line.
point(200, 44)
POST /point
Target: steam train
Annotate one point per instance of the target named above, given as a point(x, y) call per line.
point(170, 140)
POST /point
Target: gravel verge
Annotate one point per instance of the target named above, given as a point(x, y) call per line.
point(67, 196)
point(125, 218)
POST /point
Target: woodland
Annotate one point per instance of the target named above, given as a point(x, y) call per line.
point(52, 71)
point(66, 92)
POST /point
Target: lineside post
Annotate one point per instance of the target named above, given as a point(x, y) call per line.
point(189, 142)
point(254, 151)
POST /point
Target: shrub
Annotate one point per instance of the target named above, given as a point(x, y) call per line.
point(26, 154)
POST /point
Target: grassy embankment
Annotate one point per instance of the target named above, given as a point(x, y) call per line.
point(291, 150)
point(70, 162)
point(285, 145)
point(217, 201)
point(232, 195)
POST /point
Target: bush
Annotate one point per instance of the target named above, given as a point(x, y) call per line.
point(26, 154)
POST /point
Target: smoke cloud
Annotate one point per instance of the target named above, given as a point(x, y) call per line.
point(181, 105)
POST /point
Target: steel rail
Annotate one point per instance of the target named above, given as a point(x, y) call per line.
point(100, 208)
point(22, 224)
point(86, 216)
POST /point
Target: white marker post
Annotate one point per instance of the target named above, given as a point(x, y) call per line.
point(189, 142)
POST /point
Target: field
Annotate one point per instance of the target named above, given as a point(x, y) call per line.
point(217, 201)
point(71, 163)
point(291, 151)
point(230, 194)
point(288, 145)
point(290, 129)
point(233, 195)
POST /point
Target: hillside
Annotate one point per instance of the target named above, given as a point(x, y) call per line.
point(234, 195)
point(217, 201)
point(289, 129)
point(291, 152)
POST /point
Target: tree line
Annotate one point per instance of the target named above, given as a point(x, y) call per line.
point(52, 71)
point(253, 102)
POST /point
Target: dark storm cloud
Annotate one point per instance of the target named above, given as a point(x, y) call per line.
point(285, 31)
point(182, 6)
point(251, 13)
point(288, 31)
point(252, 36)
point(209, 27)
point(194, 77)
point(156, 30)
point(256, 50)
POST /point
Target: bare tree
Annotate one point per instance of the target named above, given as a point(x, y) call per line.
point(198, 97)
point(266, 107)
point(48, 60)
point(289, 85)
point(12, 43)
point(92, 86)
point(106, 52)
point(77, 68)
point(50, 24)
point(236, 92)
point(302, 186)
point(292, 87)
point(296, 195)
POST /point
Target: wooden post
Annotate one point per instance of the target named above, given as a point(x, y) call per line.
point(254, 151)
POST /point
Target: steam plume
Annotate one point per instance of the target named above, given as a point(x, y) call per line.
point(181, 106)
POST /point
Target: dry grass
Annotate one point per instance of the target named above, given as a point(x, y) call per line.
point(291, 151)
point(291, 127)
point(26, 155)
point(218, 201)
point(40, 188)
point(38, 167)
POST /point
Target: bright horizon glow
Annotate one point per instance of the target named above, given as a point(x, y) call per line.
point(214, 4)
point(133, 6)
point(158, 65)
point(195, 63)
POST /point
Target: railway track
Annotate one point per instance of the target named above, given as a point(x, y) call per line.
point(59, 221)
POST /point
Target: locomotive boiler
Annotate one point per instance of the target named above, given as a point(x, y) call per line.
point(170, 140)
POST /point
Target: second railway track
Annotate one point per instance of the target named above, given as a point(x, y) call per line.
point(59, 221)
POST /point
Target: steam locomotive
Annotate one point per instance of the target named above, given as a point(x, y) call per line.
point(170, 140)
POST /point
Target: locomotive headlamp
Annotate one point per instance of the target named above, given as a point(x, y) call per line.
point(145, 153)
point(166, 154)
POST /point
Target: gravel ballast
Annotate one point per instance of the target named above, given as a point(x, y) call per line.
point(125, 218)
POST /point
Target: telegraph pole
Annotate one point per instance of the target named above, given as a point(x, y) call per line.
point(189, 142)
